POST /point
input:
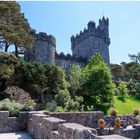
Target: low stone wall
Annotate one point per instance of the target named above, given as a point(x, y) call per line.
point(89, 119)
point(12, 124)
point(63, 125)
point(42, 126)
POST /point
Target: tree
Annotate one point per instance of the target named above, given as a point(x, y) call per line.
point(14, 27)
point(98, 80)
point(131, 85)
point(122, 89)
point(74, 79)
point(116, 71)
point(135, 58)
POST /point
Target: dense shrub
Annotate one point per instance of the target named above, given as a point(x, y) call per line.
point(29, 105)
point(51, 106)
point(10, 106)
point(122, 89)
point(62, 97)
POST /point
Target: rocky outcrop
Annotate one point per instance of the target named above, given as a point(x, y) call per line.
point(17, 94)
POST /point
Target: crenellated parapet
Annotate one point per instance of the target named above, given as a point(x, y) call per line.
point(41, 36)
point(69, 57)
point(100, 31)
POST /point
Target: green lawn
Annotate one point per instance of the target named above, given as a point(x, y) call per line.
point(126, 106)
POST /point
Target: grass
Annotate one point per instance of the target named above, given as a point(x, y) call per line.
point(125, 106)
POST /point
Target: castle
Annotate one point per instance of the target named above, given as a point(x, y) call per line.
point(87, 43)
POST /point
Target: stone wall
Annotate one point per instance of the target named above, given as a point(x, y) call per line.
point(12, 124)
point(43, 49)
point(89, 119)
point(42, 126)
point(76, 125)
point(91, 40)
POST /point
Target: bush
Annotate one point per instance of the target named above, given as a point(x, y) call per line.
point(51, 106)
point(62, 97)
point(60, 109)
point(29, 105)
point(10, 106)
point(122, 89)
point(74, 104)
point(113, 112)
point(136, 112)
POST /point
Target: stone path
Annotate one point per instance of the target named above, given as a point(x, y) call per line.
point(114, 136)
point(16, 135)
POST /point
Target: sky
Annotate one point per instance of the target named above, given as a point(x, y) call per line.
point(63, 19)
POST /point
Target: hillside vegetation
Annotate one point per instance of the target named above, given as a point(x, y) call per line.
point(126, 105)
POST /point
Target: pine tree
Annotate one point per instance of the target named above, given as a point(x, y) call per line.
point(14, 27)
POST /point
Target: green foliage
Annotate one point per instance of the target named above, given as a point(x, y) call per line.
point(75, 79)
point(122, 89)
point(72, 105)
point(51, 106)
point(134, 88)
point(131, 85)
point(125, 71)
point(64, 100)
point(7, 58)
point(98, 81)
point(29, 105)
point(62, 97)
point(10, 106)
point(136, 111)
point(113, 112)
point(56, 79)
point(43, 105)
point(60, 109)
point(14, 27)
point(127, 106)
point(135, 58)
point(137, 90)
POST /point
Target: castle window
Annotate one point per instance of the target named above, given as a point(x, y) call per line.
point(78, 50)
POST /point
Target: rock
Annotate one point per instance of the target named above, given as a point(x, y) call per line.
point(17, 94)
point(75, 131)
point(52, 123)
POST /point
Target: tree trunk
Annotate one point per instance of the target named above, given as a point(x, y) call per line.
point(6, 47)
point(16, 50)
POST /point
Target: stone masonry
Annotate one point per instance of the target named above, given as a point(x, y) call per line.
point(91, 40)
point(87, 43)
point(42, 125)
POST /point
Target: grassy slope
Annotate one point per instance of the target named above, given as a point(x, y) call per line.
point(127, 106)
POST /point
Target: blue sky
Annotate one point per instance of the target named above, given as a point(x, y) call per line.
point(64, 19)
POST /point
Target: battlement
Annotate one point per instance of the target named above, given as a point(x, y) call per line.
point(100, 31)
point(69, 57)
point(44, 37)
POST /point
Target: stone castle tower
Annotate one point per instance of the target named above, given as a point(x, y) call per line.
point(43, 49)
point(91, 40)
point(87, 43)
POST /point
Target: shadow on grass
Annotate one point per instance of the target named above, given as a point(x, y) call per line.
point(121, 98)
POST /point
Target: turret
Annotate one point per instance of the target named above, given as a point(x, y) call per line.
point(91, 26)
point(104, 26)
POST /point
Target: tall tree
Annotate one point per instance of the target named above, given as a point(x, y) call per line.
point(14, 27)
point(98, 80)
point(75, 79)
